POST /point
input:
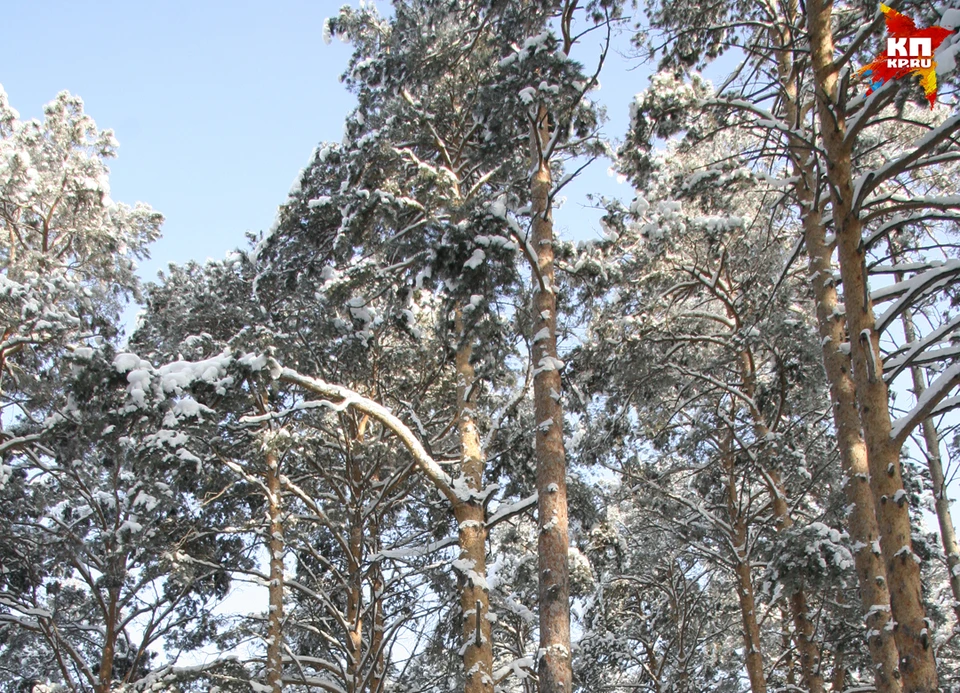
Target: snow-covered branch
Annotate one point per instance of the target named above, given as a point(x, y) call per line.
point(927, 403)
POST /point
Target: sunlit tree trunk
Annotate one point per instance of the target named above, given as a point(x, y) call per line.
point(477, 647)
point(555, 670)
point(276, 548)
point(862, 519)
point(917, 665)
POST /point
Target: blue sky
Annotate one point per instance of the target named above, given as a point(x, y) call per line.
point(217, 105)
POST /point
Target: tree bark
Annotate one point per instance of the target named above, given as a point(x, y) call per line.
point(862, 519)
point(917, 665)
point(753, 657)
point(477, 647)
point(276, 547)
point(803, 632)
point(554, 669)
point(377, 676)
point(354, 615)
point(803, 627)
point(105, 674)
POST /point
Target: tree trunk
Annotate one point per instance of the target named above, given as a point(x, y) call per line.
point(477, 647)
point(862, 519)
point(105, 674)
point(917, 665)
point(804, 630)
point(276, 548)
point(377, 676)
point(931, 441)
point(753, 657)
point(787, 646)
point(555, 670)
point(948, 534)
point(839, 677)
point(354, 615)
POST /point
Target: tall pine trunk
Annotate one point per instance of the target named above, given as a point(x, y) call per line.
point(105, 673)
point(477, 647)
point(555, 669)
point(803, 627)
point(804, 631)
point(917, 665)
point(378, 665)
point(862, 519)
point(276, 547)
point(753, 655)
point(354, 611)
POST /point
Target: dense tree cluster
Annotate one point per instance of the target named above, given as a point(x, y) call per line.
point(410, 440)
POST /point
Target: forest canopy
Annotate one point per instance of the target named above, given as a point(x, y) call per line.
point(413, 439)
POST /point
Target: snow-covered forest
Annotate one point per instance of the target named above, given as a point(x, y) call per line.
point(412, 439)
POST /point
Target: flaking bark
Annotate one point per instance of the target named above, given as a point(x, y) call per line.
point(917, 664)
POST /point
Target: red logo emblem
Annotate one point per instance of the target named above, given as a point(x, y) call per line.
point(909, 51)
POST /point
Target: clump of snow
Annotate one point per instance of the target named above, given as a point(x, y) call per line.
point(84, 352)
point(125, 362)
point(475, 260)
point(950, 19)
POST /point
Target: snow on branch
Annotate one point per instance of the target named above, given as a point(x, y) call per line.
point(912, 289)
point(413, 552)
point(766, 119)
point(928, 403)
point(870, 180)
point(916, 352)
point(176, 377)
point(886, 205)
point(509, 510)
point(346, 397)
point(901, 220)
